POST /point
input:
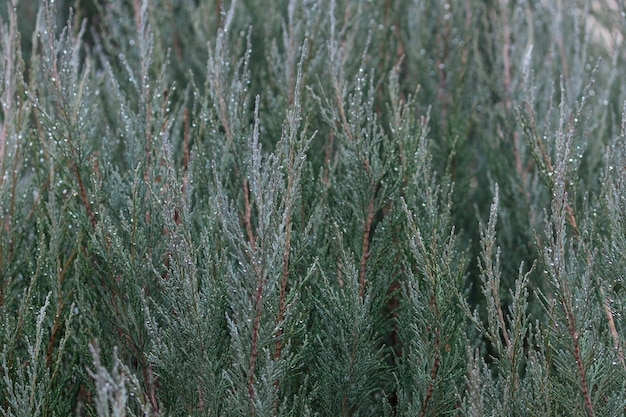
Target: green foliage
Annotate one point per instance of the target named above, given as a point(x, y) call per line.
point(311, 208)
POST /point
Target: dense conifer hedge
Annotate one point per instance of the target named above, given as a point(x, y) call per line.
point(312, 208)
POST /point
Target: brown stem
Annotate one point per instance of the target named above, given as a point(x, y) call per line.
point(175, 36)
point(429, 391)
point(365, 245)
point(247, 214)
point(566, 304)
point(342, 116)
point(152, 395)
point(223, 109)
point(571, 219)
point(137, 13)
point(56, 325)
point(327, 154)
point(283, 283)
point(577, 357)
point(339, 266)
point(218, 13)
point(83, 196)
point(612, 328)
point(200, 399)
point(433, 374)
point(496, 296)
point(355, 345)
point(571, 327)
point(505, 335)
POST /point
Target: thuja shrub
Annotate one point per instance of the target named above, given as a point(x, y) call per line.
point(292, 208)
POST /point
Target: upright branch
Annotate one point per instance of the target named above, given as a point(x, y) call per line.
point(555, 257)
point(293, 175)
point(542, 159)
point(571, 327)
point(490, 271)
point(285, 260)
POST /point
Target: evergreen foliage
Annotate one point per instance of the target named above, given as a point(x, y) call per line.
point(312, 208)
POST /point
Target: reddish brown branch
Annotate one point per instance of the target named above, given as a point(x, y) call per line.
point(612, 328)
point(283, 286)
point(83, 196)
point(53, 333)
point(56, 325)
point(433, 374)
point(281, 298)
point(175, 36)
point(342, 115)
point(200, 399)
point(566, 304)
point(365, 246)
point(353, 354)
point(547, 161)
point(152, 386)
point(137, 13)
point(218, 13)
point(327, 154)
point(578, 360)
point(247, 214)
point(571, 219)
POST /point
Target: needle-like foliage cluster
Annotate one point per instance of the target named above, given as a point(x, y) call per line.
point(312, 208)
